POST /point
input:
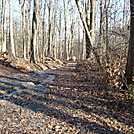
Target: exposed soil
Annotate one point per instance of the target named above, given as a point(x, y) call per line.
point(69, 103)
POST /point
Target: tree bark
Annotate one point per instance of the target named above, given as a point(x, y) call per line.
point(65, 32)
point(106, 37)
point(130, 59)
point(12, 45)
point(49, 29)
point(4, 45)
point(28, 29)
point(34, 33)
point(89, 30)
point(88, 21)
point(22, 14)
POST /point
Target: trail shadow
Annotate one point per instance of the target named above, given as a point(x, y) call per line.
point(15, 79)
point(113, 108)
point(5, 88)
point(59, 75)
point(9, 87)
point(37, 101)
point(11, 84)
point(13, 68)
point(35, 104)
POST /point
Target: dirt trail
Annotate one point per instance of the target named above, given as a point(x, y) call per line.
point(64, 106)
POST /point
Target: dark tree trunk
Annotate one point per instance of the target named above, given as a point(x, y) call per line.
point(88, 47)
point(33, 39)
point(49, 30)
point(130, 59)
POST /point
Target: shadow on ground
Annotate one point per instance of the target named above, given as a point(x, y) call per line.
point(57, 100)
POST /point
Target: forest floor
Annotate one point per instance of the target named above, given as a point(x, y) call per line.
point(62, 101)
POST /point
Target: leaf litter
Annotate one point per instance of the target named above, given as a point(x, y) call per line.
point(78, 101)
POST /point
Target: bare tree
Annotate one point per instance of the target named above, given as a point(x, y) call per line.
point(27, 30)
point(49, 27)
point(44, 32)
point(22, 14)
point(34, 33)
point(130, 59)
point(106, 6)
point(58, 32)
point(4, 44)
point(59, 27)
point(89, 30)
point(65, 31)
point(12, 45)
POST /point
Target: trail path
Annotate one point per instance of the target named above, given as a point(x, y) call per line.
point(53, 102)
point(26, 86)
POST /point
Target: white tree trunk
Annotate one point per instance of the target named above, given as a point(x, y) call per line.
point(4, 47)
point(12, 45)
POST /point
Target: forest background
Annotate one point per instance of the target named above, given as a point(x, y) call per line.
point(87, 29)
point(60, 32)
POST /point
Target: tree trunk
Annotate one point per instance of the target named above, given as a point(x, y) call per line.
point(65, 32)
point(100, 31)
point(4, 46)
point(89, 32)
point(130, 59)
point(28, 43)
point(12, 45)
point(49, 29)
point(22, 14)
point(59, 36)
point(88, 21)
point(44, 44)
point(34, 33)
point(106, 37)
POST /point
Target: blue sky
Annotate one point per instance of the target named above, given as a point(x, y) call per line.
point(16, 8)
